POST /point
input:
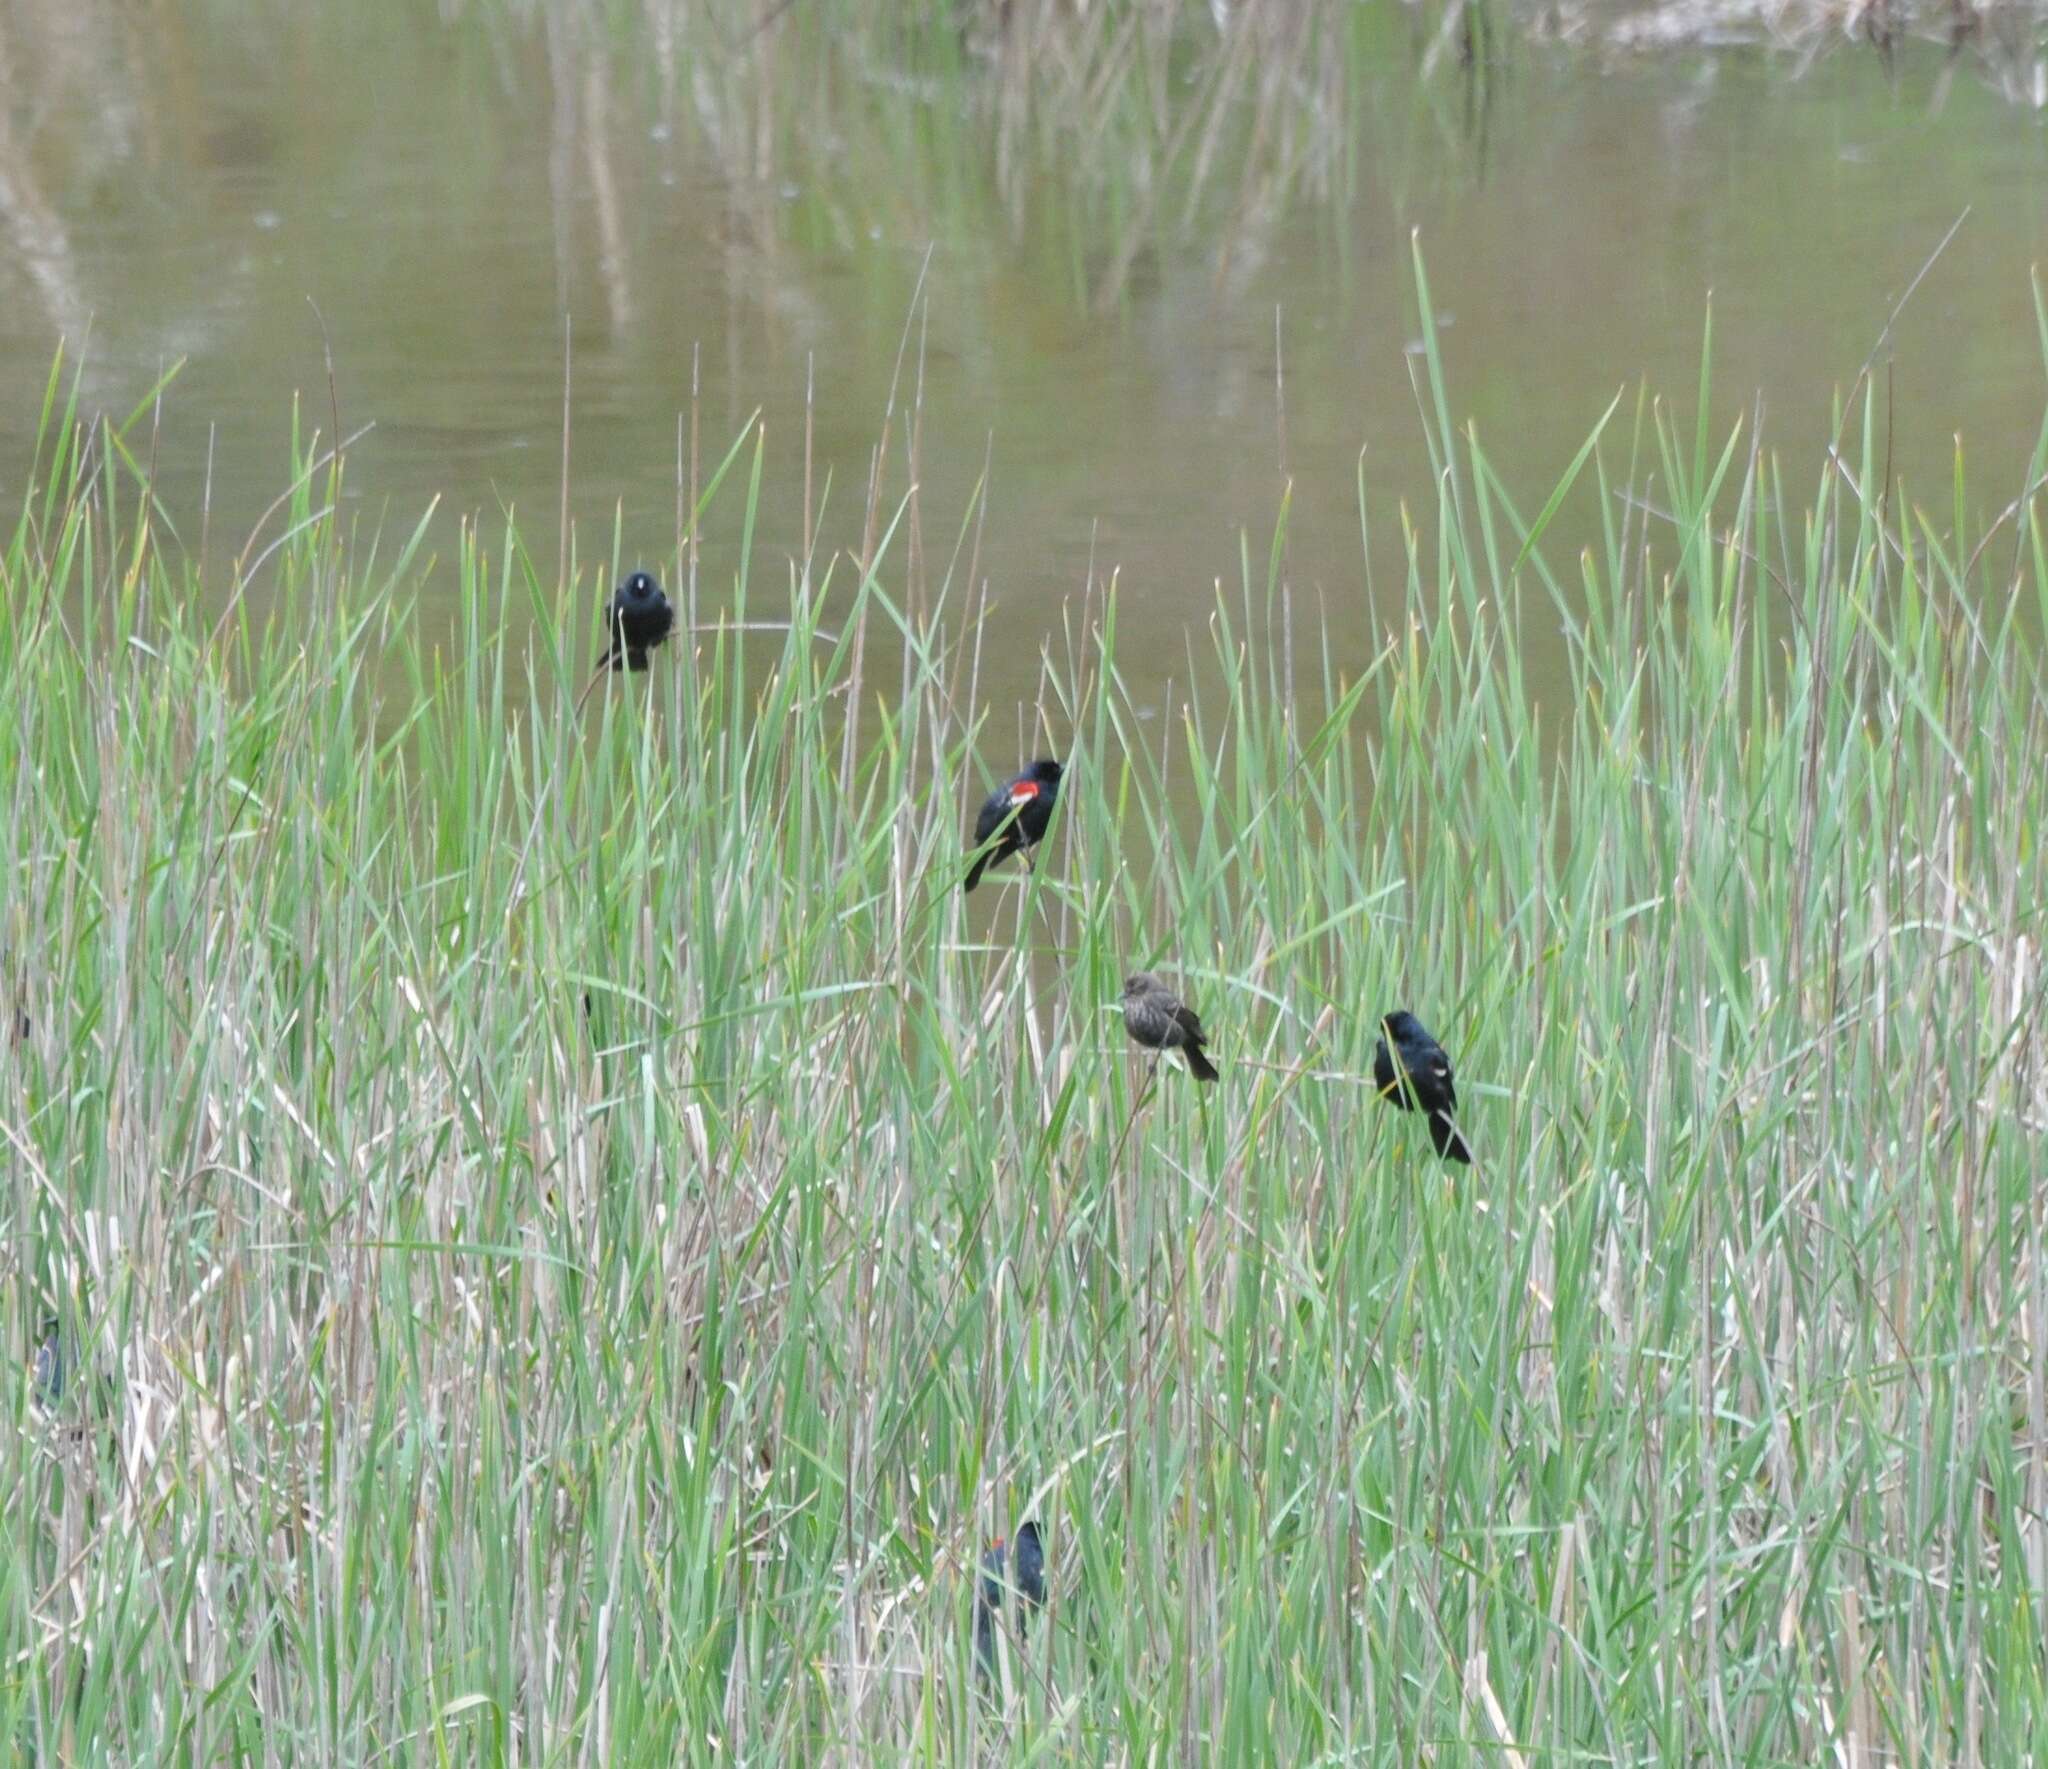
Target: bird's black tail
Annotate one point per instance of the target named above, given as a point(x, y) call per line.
point(984, 1638)
point(1449, 1144)
point(975, 871)
point(1199, 1065)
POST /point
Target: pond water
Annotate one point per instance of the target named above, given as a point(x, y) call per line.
point(1110, 275)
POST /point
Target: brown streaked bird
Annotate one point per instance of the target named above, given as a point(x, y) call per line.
point(49, 1365)
point(1157, 1018)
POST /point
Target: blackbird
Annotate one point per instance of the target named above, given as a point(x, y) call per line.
point(1027, 1579)
point(1155, 1017)
point(1423, 1080)
point(638, 620)
point(1015, 816)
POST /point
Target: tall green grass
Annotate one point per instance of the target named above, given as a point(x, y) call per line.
point(591, 1231)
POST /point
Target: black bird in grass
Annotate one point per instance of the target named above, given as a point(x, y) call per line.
point(1026, 1578)
point(1423, 1080)
point(1015, 816)
point(638, 619)
point(1157, 1018)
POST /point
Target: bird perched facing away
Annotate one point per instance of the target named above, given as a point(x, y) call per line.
point(1422, 1079)
point(1157, 1018)
point(638, 619)
point(1026, 1578)
point(1015, 816)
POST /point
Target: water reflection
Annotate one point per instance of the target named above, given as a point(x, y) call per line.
point(1166, 259)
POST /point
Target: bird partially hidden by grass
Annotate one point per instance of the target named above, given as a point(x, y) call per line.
point(1159, 1020)
point(1417, 1075)
point(637, 619)
point(1015, 817)
point(54, 1372)
point(1026, 1578)
point(49, 1365)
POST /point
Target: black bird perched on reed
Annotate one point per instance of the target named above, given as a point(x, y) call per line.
point(1026, 1578)
point(1015, 816)
point(1158, 1019)
point(638, 619)
point(1423, 1080)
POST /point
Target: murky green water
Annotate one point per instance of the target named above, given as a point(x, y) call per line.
point(190, 180)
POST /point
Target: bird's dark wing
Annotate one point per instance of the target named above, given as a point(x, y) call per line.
point(1423, 1062)
point(1030, 1565)
point(1034, 818)
point(990, 817)
point(1189, 1023)
point(1436, 1073)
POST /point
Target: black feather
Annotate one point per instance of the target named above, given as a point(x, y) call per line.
point(1015, 817)
point(1422, 1080)
point(638, 619)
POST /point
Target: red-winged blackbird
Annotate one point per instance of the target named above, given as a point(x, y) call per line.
point(1015, 816)
point(1424, 1080)
point(1027, 1579)
point(638, 619)
point(1155, 1017)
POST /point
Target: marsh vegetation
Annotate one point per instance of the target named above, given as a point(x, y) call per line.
point(595, 1229)
point(542, 1223)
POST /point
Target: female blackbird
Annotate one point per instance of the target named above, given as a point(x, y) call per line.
point(1027, 1580)
point(1155, 1018)
point(55, 1371)
point(638, 620)
point(1015, 816)
point(49, 1366)
point(1424, 1080)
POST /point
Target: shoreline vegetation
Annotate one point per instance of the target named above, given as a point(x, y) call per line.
point(589, 1232)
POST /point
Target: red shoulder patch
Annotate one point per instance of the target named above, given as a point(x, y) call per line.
point(1024, 789)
